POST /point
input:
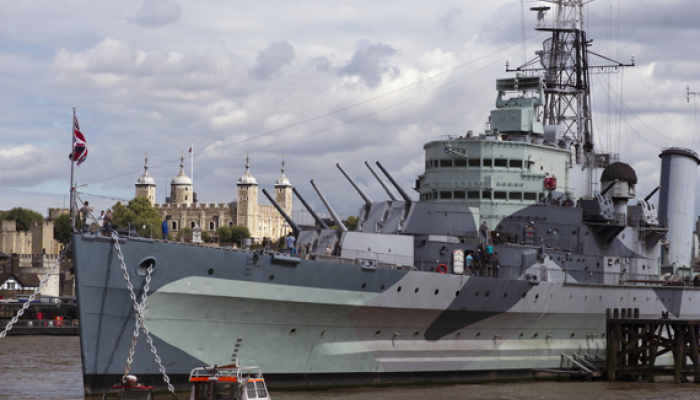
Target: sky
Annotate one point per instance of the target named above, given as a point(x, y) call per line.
point(316, 81)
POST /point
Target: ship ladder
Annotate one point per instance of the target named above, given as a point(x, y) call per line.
point(139, 308)
point(574, 365)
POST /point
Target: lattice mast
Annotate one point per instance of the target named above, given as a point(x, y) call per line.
point(563, 62)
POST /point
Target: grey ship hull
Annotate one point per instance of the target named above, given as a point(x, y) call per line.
point(324, 323)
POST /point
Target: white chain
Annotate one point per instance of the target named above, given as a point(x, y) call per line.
point(36, 292)
point(140, 319)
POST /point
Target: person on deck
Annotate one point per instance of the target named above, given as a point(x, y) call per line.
point(290, 243)
point(485, 232)
point(469, 261)
point(164, 230)
point(85, 211)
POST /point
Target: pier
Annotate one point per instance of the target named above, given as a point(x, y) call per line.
point(634, 344)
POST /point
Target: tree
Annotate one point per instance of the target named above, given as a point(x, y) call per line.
point(187, 231)
point(206, 237)
point(351, 223)
point(62, 229)
point(232, 234)
point(24, 217)
point(140, 214)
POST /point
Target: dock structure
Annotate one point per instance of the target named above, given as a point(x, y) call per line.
point(634, 344)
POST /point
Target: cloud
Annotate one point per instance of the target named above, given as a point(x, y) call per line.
point(449, 20)
point(155, 13)
point(273, 58)
point(370, 63)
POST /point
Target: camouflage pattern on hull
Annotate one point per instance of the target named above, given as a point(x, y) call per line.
point(327, 323)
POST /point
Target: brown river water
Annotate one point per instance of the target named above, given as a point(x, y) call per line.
point(48, 368)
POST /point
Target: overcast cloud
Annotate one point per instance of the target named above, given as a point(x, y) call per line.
point(156, 75)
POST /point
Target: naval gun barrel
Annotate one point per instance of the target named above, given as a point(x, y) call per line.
point(381, 182)
point(610, 186)
point(295, 227)
point(318, 219)
point(653, 192)
point(396, 185)
point(352, 182)
point(335, 216)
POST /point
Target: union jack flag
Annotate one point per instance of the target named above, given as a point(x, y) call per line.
point(80, 151)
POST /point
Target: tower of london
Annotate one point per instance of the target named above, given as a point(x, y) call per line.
point(182, 208)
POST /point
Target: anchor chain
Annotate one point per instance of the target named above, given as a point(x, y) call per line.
point(139, 308)
point(26, 305)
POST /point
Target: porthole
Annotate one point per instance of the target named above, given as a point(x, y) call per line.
point(505, 295)
point(293, 332)
point(272, 278)
point(377, 333)
point(210, 272)
point(476, 294)
point(585, 298)
point(364, 285)
point(487, 294)
point(634, 299)
point(600, 298)
point(398, 289)
point(537, 296)
point(437, 291)
point(521, 335)
point(535, 337)
point(381, 287)
point(415, 291)
point(417, 333)
point(478, 334)
point(457, 293)
point(458, 334)
point(524, 294)
point(602, 336)
point(572, 335)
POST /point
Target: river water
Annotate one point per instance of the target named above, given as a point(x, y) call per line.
point(48, 368)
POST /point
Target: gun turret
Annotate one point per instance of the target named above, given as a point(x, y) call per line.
point(653, 192)
point(364, 196)
point(610, 186)
point(335, 217)
point(391, 195)
point(396, 185)
point(295, 227)
point(318, 219)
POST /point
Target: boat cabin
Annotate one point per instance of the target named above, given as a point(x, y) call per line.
point(229, 382)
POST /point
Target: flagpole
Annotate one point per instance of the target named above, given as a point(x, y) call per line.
point(72, 177)
point(192, 167)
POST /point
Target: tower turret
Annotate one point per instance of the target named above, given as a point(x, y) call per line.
point(283, 192)
point(145, 185)
point(181, 187)
point(247, 199)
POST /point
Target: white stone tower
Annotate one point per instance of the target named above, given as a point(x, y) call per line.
point(247, 199)
point(181, 187)
point(283, 192)
point(145, 185)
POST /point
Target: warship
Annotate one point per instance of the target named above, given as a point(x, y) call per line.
point(397, 302)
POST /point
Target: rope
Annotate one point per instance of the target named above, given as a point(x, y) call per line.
point(140, 319)
point(26, 305)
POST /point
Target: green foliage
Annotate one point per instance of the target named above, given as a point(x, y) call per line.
point(232, 234)
point(23, 216)
point(139, 213)
point(206, 237)
point(187, 231)
point(61, 228)
point(351, 223)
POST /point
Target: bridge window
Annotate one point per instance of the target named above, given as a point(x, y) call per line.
point(474, 162)
point(473, 194)
point(461, 162)
point(530, 196)
point(446, 195)
point(487, 162)
point(446, 163)
point(459, 194)
point(501, 162)
point(516, 163)
point(486, 195)
point(500, 195)
point(515, 196)
point(428, 164)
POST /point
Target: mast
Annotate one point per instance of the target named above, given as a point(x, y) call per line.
point(563, 62)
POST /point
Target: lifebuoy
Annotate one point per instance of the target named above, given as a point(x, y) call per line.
point(442, 269)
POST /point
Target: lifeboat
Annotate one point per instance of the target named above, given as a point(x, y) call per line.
point(229, 382)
